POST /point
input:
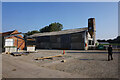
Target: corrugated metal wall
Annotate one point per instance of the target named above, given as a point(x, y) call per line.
point(66, 41)
point(77, 41)
point(43, 42)
point(55, 42)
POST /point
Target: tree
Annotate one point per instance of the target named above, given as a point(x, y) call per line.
point(52, 27)
point(32, 32)
point(45, 29)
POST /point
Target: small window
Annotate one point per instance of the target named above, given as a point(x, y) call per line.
point(90, 42)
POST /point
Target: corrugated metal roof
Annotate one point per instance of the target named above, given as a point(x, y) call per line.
point(60, 32)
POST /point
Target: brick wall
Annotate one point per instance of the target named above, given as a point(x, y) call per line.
point(20, 43)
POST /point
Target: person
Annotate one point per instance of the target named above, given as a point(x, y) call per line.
point(110, 53)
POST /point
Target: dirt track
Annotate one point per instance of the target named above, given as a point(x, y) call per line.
point(79, 64)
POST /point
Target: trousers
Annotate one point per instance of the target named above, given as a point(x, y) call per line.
point(110, 56)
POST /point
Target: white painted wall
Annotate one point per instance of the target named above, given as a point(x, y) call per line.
point(10, 49)
point(30, 48)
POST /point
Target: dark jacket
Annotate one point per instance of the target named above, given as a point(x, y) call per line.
point(109, 50)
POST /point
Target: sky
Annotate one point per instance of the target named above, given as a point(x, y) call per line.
point(28, 16)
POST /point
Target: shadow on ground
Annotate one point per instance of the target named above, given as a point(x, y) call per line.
point(93, 59)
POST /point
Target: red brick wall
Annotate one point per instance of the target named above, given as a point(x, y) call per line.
point(21, 43)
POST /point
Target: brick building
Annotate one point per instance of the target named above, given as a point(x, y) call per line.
point(13, 39)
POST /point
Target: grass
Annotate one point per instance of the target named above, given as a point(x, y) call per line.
point(111, 44)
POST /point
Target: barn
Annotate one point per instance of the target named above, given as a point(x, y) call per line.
point(81, 38)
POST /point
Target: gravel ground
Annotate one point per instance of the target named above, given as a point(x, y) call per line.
point(0, 66)
point(93, 65)
point(30, 58)
point(82, 63)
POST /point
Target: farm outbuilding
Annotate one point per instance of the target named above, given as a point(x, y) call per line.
point(13, 41)
point(81, 38)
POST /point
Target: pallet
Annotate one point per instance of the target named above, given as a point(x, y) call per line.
point(17, 54)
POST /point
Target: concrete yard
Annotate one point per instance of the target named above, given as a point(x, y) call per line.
point(79, 64)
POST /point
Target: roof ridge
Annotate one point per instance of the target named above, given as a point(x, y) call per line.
point(64, 30)
point(68, 31)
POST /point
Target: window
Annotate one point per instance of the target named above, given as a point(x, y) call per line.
point(89, 42)
point(92, 42)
